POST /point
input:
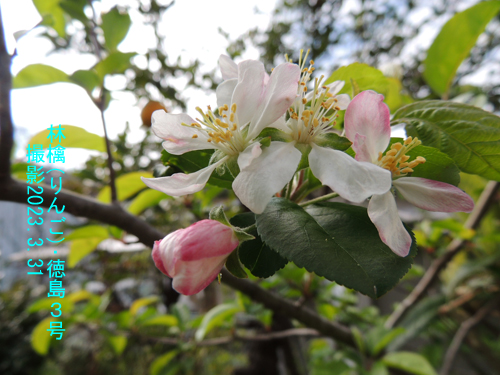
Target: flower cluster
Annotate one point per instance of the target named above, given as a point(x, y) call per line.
point(302, 111)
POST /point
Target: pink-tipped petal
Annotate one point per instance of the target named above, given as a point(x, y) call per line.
point(178, 138)
point(352, 180)
point(228, 67)
point(182, 184)
point(256, 184)
point(433, 195)
point(383, 213)
point(368, 115)
point(194, 256)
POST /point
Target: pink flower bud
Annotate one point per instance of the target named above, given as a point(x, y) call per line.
point(194, 256)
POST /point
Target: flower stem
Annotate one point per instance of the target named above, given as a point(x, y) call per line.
point(319, 199)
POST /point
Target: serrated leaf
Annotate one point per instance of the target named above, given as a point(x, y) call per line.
point(254, 254)
point(468, 135)
point(161, 320)
point(114, 63)
point(38, 75)
point(88, 79)
point(141, 302)
point(146, 199)
point(446, 54)
point(216, 317)
point(115, 26)
point(412, 363)
point(40, 337)
point(76, 137)
point(336, 241)
point(52, 15)
point(80, 248)
point(118, 343)
point(194, 161)
point(161, 362)
point(126, 186)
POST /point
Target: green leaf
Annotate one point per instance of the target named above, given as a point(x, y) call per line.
point(88, 79)
point(410, 362)
point(366, 77)
point(126, 186)
point(254, 254)
point(146, 199)
point(118, 343)
point(80, 248)
point(161, 362)
point(468, 135)
point(115, 63)
point(141, 302)
point(38, 75)
point(334, 240)
point(446, 54)
point(194, 161)
point(161, 320)
point(334, 141)
point(74, 8)
point(46, 304)
point(379, 337)
point(234, 266)
point(76, 137)
point(275, 135)
point(52, 15)
point(215, 318)
point(40, 337)
point(115, 26)
point(88, 231)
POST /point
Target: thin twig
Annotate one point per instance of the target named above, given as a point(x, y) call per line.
point(453, 248)
point(462, 332)
point(7, 132)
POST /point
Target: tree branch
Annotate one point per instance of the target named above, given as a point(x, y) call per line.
point(6, 128)
point(453, 248)
point(15, 191)
point(462, 332)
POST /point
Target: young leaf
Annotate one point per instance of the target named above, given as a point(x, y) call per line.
point(38, 75)
point(468, 135)
point(334, 240)
point(216, 317)
point(234, 266)
point(115, 63)
point(126, 186)
point(52, 15)
point(40, 337)
point(446, 54)
point(115, 26)
point(118, 343)
point(88, 79)
point(161, 320)
point(141, 302)
point(161, 362)
point(255, 255)
point(76, 137)
point(412, 363)
point(146, 199)
point(80, 248)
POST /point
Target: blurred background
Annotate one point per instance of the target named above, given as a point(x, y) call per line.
point(84, 63)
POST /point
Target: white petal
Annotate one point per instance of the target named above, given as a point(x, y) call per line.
point(433, 195)
point(225, 91)
point(228, 67)
point(280, 124)
point(248, 155)
point(178, 138)
point(180, 183)
point(383, 212)
point(335, 87)
point(351, 179)
point(343, 101)
point(266, 175)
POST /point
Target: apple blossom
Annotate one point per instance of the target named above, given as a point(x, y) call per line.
point(367, 125)
point(247, 104)
point(194, 256)
point(311, 119)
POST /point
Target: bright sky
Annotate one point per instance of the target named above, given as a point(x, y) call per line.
point(191, 29)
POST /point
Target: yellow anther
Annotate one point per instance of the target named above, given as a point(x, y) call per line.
point(209, 108)
point(304, 100)
point(408, 141)
point(380, 154)
point(396, 146)
point(315, 122)
point(231, 117)
point(234, 127)
point(406, 170)
point(311, 62)
point(305, 89)
point(311, 70)
point(233, 108)
point(404, 158)
point(195, 136)
point(391, 152)
point(337, 108)
point(209, 140)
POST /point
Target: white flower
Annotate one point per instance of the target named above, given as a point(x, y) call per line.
point(367, 125)
point(311, 119)
point(247, 104)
